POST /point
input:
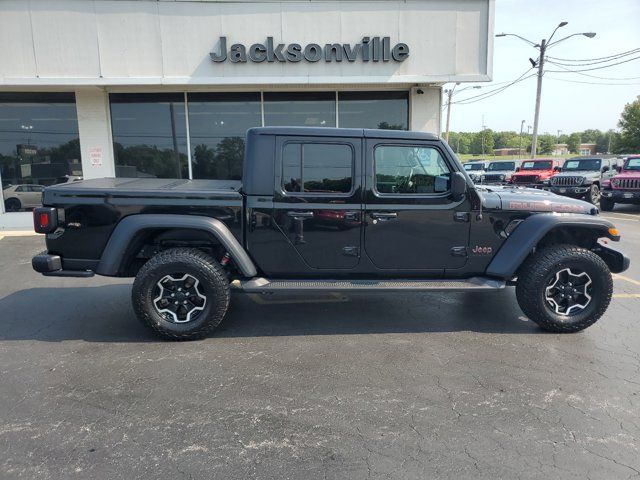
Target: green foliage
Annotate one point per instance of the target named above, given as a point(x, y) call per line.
point(482, 142)
point(629, 141)
point(573, 143)
point(546, 142)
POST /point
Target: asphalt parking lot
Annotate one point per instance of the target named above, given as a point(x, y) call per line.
point(338, 386)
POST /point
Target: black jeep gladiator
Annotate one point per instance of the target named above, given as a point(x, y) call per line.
point(583, 178)
point(330, 210)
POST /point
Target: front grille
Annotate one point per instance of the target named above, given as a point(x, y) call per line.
point(563, 181)
point(493, 177)
point(525, 179)
point(629, 183)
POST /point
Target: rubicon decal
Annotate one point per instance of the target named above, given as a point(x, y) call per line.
point(370, 49)
point(546, 207)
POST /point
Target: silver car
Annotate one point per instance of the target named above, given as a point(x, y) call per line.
point(19, 197)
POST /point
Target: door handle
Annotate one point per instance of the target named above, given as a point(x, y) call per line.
point(383, 215)
point(298, 215)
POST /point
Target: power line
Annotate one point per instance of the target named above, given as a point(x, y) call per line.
point(597, 58)
point(493, 92)
point(593, 68)
point(579, 72)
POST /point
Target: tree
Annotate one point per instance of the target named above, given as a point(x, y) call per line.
point(630, 125)
point(482, 142)
point(546, 143)
point(573, 143)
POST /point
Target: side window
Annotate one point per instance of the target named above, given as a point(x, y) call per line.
point(36, 188)
point(404, 169)
point(317, 168)
point(20, 189)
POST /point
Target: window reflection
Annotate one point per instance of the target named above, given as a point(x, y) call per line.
point(386, 110)
point(39, 145)
point(317, 168)
point(412, 170)
point(300, 109)
point(218, 123)
point(149, 135)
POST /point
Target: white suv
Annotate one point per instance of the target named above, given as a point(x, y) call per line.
point(17, 197)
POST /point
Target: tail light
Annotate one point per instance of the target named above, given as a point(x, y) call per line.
point(45, 219)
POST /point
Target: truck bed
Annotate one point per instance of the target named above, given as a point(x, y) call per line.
point(150, 189)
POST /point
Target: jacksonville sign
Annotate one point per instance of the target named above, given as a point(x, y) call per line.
point(370, 49)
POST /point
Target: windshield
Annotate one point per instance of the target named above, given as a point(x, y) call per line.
point(537, 165)
point(473, 166)
point(575, 165)
point(632, 164)
point(496, 166)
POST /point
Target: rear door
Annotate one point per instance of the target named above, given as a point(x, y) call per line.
point(317, 201)
point(411, 221)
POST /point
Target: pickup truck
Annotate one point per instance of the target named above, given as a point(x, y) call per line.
point(535, 173)
point(583, 178)
point(325, 209)
point(624, 187)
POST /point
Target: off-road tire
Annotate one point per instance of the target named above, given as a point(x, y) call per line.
point(606, 204)
point(196, 263)
point(593, 194)
point(12, 205)
point(537, 272)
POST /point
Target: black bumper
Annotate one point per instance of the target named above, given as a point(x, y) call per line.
point(51, 266)
point(571, 191)
point(615, 260)
point(622, 196)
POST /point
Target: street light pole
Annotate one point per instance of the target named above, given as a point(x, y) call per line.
point(449, 97)
point(542, 47)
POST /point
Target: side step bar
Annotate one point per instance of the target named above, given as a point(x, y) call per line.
point(263, 285)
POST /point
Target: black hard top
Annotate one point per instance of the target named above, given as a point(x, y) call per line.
point(342, 132)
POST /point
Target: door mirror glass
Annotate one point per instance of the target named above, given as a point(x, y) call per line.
point(458, 186)
point(517, 169)
point(557, 169)
point(605, 169)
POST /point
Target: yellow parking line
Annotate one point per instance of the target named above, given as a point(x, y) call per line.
point(626, 279)
point(626, 295)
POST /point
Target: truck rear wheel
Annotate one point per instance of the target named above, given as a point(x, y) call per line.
point(593, 195)
point(564, 288)
point(181, 294)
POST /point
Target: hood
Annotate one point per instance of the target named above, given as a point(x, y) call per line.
point(580, 173)
point(628, 174)
point(534, 201)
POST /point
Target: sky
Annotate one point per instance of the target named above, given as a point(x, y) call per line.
point(565, 106)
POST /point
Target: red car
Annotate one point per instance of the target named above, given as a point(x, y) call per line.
point(535, 173)
point(624, 187)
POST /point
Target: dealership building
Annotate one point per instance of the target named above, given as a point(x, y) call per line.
point(167, 88)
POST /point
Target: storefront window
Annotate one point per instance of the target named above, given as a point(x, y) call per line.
point(386, 110)
point(39, 145)
point(218, 123)
point(149, 135)
point(300, 109)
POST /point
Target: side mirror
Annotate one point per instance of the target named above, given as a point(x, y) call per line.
point(458, 186)
point(557, 169)
point(618, 168)
point(517, 169)
point(605, 169)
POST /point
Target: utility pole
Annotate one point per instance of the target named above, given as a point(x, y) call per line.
point(520, 147)
point(542, 47)
point(449, 97)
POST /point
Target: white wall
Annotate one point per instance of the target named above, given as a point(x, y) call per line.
point(98, 42)
point(94, 127)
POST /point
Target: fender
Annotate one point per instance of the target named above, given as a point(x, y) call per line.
point(526, 236)
point(129, 226)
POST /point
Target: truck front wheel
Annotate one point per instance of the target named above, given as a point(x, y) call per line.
point(564, 288)
point(181, 294)
point(606, 204)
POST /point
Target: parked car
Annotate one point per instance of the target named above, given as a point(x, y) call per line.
point(416, 223)
point(624, 187)
point(582, 177)
point(18, 197)
point(499, 172)
point(536, 173)
point(475, 169)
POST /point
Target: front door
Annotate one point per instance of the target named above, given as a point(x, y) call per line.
point(317, 201)
point(411, 221)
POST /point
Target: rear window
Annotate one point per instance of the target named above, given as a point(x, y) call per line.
point(317, 168)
